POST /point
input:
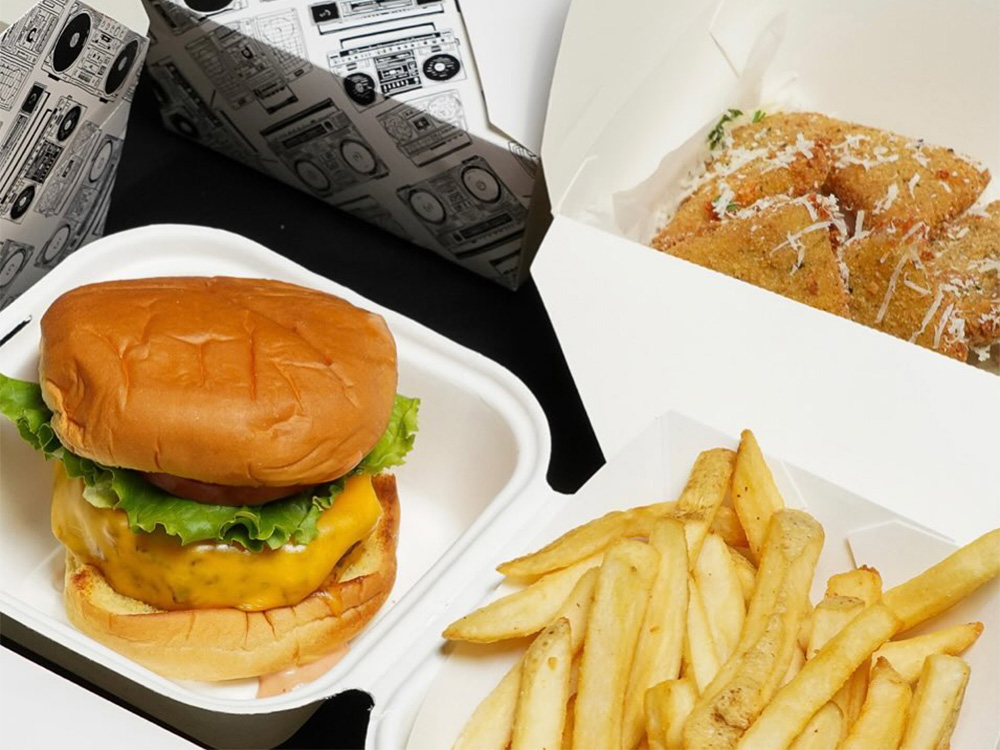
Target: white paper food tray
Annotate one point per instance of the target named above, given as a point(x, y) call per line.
point(653, 468)
point(644, 332)
point(478, 469)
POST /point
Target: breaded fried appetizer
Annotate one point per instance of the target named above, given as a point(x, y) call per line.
point(893, 290)
point(781, 244)
point(738, 178)
point(967, 259)
point(895, 180)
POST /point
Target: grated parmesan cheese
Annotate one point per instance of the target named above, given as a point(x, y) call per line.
point(913, 183)
point(883, 205)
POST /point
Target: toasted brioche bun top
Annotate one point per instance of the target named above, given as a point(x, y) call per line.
point(241, 382)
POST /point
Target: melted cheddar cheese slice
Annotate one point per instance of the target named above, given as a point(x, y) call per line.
point(155, 568)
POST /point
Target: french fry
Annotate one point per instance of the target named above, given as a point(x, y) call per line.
point(791, 708)
point(769, 639)
point(823, 730)
point(936, 703)
point(746, 572)
point(883, 715)
point(829, 618)
point(727, 525)
point(862, 583)
point(721, 593)
point(660, 647)
point(490, 725)
point(667, 707)
point(907, 656)
point(544, 689)
point(703, 494)
point(589, 539)
point(755, 496)
point(493, 721)
point(794, 666)
point(952, 579)
point(522, 613)
point(612, 632)
point(700, 652)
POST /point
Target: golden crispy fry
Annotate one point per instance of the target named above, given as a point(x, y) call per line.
point(863, 583)
point(883, 715)
point(746, 573)
point(907, 656)
point(893, 290)
point(755, 496)
point(767, 644)
point(823, 730)
point(792, 706)
point(667, 707)
point(936, 703)
point(703, 494)
point(660, 647)
point(966, 257)
point(952, 579)
point(829, 618)
point(522, 613)
point(721, 593)
point(567, 738)
point(794, 666)
point(780, 244)
point(700, 652)
point(490, 726)
point(544, 689)
point(612, 632)
point(727, 525)
point(894, 179)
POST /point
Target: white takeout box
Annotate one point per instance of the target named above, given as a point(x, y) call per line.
point(473, 493)
point(419, 116)
point(645, 332)
point(67, 73)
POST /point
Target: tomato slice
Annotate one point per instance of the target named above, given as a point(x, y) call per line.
point(219, 494)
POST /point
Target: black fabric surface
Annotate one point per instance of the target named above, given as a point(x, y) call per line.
point(165, 179)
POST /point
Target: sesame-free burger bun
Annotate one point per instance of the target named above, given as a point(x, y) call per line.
point(225, 644)
point(239, 382)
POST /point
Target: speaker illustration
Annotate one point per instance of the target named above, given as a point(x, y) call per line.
point(428, 128)
point(14, 257)
point(467, 208)
point(57, 248)
point(324, 150)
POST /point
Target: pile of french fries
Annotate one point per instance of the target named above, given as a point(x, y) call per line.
point(689, 625)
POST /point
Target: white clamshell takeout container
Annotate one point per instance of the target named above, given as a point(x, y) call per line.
point(477, 471)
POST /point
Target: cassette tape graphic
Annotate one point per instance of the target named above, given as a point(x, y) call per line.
point(21, 46)
point(338, 15)
point(94, 52)
point(427, 128)
point(244, 68)
point(14, 258)
point(33, 148)
point(183, 15)
point(467, 208)
point(321, 146)
point(382, 64)
point(185, 112)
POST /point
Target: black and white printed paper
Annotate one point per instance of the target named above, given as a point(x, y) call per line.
point(67, 73)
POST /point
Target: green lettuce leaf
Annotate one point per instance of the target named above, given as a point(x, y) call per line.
point(256, 527)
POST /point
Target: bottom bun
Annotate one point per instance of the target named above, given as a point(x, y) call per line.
point(227, 644)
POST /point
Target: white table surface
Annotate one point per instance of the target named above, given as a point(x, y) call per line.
point(83, 720)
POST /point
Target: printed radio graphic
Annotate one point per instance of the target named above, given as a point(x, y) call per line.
point(21, 47)
point(244, 69)
point(468, 209)
point(392, 62)
point(505, 266)
point(29, 154)
point(94, 52)
point(333, 17)
point(185, 112)
point(182, 15)
point(321, 146)
point(427, 128)
point(367, 208)
point(14, 257)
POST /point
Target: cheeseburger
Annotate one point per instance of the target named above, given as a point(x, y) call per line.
point(221, 484)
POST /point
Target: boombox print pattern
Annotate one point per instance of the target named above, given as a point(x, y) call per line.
point(372, 106)
point(67, 73)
